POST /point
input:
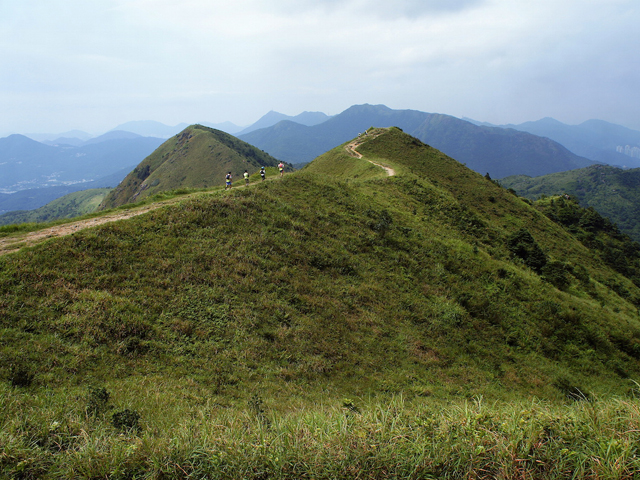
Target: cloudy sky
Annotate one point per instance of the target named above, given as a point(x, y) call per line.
point(91, 65)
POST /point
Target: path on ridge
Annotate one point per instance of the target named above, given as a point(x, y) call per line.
point(351, 149)
point(13, 243)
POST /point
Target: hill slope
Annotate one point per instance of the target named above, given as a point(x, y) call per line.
point(38, 197)
point(198, 157)
point(335, 280)
point(612, 191)
point(485, 149)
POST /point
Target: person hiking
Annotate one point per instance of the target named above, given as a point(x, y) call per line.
point(281, 168)
point(263, 174)
point(246, 178)
point(228, 181)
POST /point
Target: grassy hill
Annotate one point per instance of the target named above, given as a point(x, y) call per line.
point(198, 157)
point(236, 333)
point(611, 191)
point(71, 205)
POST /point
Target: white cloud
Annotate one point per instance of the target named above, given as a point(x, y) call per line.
point(499, 60)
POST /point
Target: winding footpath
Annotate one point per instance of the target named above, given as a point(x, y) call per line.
point(351, 150)
point(15, 242)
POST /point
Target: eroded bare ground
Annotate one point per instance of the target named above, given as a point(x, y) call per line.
point(16, 242)
point(351, 148)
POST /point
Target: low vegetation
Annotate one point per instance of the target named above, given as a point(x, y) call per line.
point(337, 323)
point(611, 191)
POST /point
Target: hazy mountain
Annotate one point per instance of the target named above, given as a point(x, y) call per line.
point(65, 142)
point(150, 128)
point(497, 151)
point(113, 135)
point(305, 118)
point(73, 134)
point(34, 198)
point(27, 164)
point(227, 127)
point(198, 157)
point(594, 139)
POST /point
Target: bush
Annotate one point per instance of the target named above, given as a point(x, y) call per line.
point(97, 400)
point(20, 376)
point(126, 420)
point(523, 245)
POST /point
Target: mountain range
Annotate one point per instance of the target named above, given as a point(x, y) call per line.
point(25, 163)
point(594, 139)
point(496, 151)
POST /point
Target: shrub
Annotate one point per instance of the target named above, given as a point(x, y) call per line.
point(97, 400)
point(523, 245)
point(126, 420)
point(20, 376)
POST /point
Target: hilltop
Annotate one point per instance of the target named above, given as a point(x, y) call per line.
point(198, 157)
point(611, 191)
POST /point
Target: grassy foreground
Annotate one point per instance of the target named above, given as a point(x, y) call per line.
point(46, 436)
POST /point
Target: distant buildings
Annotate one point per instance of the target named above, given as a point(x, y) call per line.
point(629, 151)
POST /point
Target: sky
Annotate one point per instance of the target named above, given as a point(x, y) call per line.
point(92, 65)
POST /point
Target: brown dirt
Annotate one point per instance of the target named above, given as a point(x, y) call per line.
point(16, 242)
point(351, 148)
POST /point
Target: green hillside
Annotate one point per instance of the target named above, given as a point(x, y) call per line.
point(198, 157)
point(612, 192)
point(71, 205)
point(179, 338)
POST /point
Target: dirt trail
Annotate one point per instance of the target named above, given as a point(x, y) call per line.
point(351, 148)
point(20, 240)
point(15, 242)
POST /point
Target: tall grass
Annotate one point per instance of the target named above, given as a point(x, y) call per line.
point(48, 436)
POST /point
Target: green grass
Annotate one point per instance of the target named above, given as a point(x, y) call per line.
point(198, 157)
point(257, 321)
point(46, 436)
point(612, 191)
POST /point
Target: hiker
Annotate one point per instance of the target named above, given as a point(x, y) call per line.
point(228, 181)
point(246, 178)
point(281, 168)
point(263, 174)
